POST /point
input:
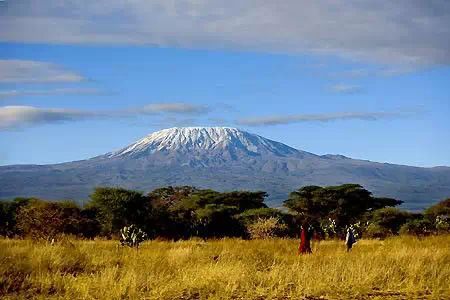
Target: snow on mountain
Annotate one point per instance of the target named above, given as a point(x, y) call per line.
point(203, 139)
point(223, 159)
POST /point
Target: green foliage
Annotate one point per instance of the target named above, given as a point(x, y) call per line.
point(417, 227)
point(243, 200)
point(117, 207)
point(169, 196)
point(374, 230)
point(183, 212)
point(251, 215)
point(8, 215)
point(442, 224)
point(391, 219)
point(328, 228)
point(439, 215)
point(40, 219)
point(207, 213)
point(344, 204)
point(440, 209)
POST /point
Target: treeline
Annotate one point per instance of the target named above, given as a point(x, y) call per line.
point(184, 212)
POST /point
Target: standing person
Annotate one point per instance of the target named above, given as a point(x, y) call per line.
point(305, 239)
point(350, 239)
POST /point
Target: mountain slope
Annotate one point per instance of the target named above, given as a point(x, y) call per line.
point(221, 158)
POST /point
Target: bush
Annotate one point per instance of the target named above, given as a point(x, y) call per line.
point(442, 224)
point(377, 231)
point(45, 220)
point(41, 220)
point(132, 236)
point(439, 209)
point(266, 228)
point(329, 228)
point(417, 227)
point(391, 218)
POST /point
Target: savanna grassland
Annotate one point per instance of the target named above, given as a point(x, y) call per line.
point(396, 268)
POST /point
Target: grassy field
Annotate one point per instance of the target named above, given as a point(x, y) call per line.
point(397, 268)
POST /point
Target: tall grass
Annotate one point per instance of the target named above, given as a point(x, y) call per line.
point(396, 268)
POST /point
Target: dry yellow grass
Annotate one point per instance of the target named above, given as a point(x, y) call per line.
point(397, 268)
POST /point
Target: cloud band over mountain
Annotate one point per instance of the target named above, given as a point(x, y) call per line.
point(20, 116)
point(298, 118)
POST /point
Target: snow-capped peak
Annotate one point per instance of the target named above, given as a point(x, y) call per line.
point(195, 139)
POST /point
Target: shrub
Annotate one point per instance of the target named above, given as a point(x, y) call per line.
point(329, 228)
point(266, 228)
point(417, 227)
point(41, 220)
point(442, 224)
point(132, 236)
point(390, 218)
point(439, 209)
point(374, 230)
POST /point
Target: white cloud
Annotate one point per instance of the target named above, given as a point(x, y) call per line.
point(16, 116)
point(47, 92)
point(297, 118)
point(28, 71)
point(409, 33)
point(175, 107)
point(22, 116)
point(346, 89)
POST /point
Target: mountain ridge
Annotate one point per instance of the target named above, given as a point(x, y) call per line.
point(222, 158)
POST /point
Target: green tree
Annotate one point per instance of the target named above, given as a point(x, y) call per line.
point(8, 215)
point(439, 209)
point(163, 221)
point(389, 219)
point(215, 220)
point(439, 215)
point(210, 213)
point(417, 227)
point(118, 207)
point(170, 195)
point(344, 204)
point(41, 220)
point(251, 215)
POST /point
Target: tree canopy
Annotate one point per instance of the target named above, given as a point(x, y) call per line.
point(344, 203)
point(178, 212)
point(439, 209)
point(118, 207)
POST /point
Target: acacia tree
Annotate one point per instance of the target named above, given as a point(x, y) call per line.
point(8, 215)
point(439, 215)
point(388, 220)
point(40, 220)
point(344, 203)
point(209, 213)
point(441, 208)
point(118, 207)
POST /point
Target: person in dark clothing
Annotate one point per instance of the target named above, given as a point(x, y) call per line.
point(350, 239)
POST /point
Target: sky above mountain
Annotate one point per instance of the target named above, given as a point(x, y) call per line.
point(360, 78)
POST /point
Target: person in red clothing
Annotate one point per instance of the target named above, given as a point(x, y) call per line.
point(305, 239)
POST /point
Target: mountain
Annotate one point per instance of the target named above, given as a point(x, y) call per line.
point(221, 158)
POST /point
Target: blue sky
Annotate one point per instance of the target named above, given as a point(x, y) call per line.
point(81, 79)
